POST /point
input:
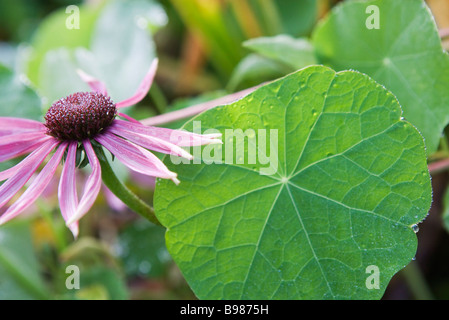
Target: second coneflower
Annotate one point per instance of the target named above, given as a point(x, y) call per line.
point(78, 122)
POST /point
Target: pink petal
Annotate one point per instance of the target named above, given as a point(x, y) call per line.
point(113, 201)
point(67, 195)
point(196, 109)
point(150, 142)
point(92, 187)
point(12, 146)
point(36, 188)
point(178, 137)
point(95, 84)
point(128, 117)
point(8, 173)
point(143, 89)
point(22, 172)
point(136, 158)
point(10, 125)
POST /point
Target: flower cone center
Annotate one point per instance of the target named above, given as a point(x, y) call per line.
point(80, 116)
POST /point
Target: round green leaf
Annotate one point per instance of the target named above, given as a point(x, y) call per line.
point(53, 34)
point(292, 52)
point(350, 183)
point(404, 54)
point(119, 54)
point(16, 98)
point(298, 17)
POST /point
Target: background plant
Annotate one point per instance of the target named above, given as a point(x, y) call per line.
point(208, 49)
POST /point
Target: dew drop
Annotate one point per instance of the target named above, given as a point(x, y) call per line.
point(415, 228)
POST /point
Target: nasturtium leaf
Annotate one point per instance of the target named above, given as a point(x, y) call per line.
point(298, 17)
point(254, 69)
point(59, 64)
point(350, 183)
point(295, 53)
point(53, 33)
point(120, 54)
point(404, 54)
point(16, 98)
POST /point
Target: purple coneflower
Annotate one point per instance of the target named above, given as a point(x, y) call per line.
point(79, 122)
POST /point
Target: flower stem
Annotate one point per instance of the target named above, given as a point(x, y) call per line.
point(122, 192)
point(438, 166)
point(158, 98)
point(416, 282)
point(444, 33)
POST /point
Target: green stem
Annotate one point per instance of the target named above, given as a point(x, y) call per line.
point(416, 282)
point(122, 192)
point(158, 98)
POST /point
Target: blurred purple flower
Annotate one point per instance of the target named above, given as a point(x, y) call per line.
point(72, 123)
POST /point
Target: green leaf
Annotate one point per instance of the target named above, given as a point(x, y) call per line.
point(19, 269)
point(16, 98)
point(141, 247)
point(254, 69)
point(295, 53)
point(182, 103)
point(350, 183)
point(53, 34)
point(119, 54)
point(101, 283)
point(298, 17)
point(404, 54)
point(58, 77)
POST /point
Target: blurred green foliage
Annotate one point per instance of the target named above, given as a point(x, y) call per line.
point(207, 48)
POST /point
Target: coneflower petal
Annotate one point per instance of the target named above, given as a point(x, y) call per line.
point(113, 201)
point(131, 119)
point(24, 170)
point(92, 187)
point(12, 146)
point(150, 142)
point(67, 195)
point(10, 125)
point(178, 137)
point(143, 89)
point(36, 188)
point(136, 158)
point(95, 84)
